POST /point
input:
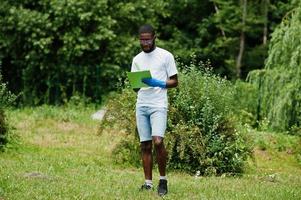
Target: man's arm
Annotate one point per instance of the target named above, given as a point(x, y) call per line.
point(172, 82)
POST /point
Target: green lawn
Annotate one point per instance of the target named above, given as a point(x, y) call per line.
point(60, 156)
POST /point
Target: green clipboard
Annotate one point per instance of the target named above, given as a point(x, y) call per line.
point(135, 78)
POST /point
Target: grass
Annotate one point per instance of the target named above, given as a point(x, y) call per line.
point(59, 155)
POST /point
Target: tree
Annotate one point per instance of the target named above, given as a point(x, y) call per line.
point(51, 50)
point(279, 83)
point(266, 4)
point(242, 38)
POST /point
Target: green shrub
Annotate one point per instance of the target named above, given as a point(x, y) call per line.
point(3, 130)
point(120, 118)
point(6, 99)
point(120, 111)
point(202, 132)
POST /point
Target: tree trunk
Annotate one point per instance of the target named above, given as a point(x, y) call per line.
point(265, 28)
point(216, 10)
point(242, 40)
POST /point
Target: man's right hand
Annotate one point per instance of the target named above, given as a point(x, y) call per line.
point(154, 82)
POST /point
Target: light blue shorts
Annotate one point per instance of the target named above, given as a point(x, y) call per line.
point(150, 122)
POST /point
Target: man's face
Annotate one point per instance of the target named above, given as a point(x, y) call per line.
point(147, 42)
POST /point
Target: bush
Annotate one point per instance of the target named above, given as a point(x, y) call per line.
point(6, 99)
point(202, 128)
point(3, 130)
point(120, 118)
point(202, 132)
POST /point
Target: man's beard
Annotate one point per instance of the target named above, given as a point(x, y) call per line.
point(151, 49)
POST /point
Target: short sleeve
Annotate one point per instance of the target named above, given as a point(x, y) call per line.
point(133, 68)
point(171, 66)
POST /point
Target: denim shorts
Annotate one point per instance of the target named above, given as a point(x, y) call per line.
point(150, 122)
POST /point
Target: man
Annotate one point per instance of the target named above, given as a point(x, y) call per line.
point(151, 106)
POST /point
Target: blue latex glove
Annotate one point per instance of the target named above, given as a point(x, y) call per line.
point(154, 82)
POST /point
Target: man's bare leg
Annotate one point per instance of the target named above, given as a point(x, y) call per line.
point(147, 159)
point(161, 154)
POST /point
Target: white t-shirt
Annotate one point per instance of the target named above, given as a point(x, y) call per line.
point(161, 64)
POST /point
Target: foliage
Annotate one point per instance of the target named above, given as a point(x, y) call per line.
point(279, 86)
point(212, 31)
point(6, 99)
point(45, 42)
point(124, 98)
point(52, 50)
point(120, 118)
point(202, 133)
point(3, 131)
point(246, 96)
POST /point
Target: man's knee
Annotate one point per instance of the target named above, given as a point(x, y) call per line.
point(158, 141)
point(146, 146)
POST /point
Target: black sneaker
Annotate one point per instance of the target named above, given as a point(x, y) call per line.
point(146, 187)
point(162, 188)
